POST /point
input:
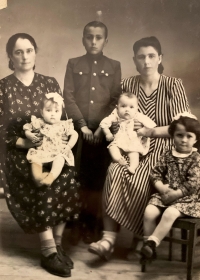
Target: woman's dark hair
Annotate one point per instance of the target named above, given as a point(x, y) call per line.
point(11, 44)
point(190, 124)
point(96, 24)
point(149, 42)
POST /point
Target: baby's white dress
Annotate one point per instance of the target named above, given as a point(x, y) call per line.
point(52, 145)
point(126, 138)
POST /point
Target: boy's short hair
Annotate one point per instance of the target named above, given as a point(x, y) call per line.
point(190, 124)
point(96, 24)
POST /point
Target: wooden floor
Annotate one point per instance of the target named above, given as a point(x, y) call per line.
point(20, 258)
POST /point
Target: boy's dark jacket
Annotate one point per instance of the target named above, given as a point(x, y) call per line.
point(91, 89)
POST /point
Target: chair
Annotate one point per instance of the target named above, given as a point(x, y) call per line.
point(190, 237)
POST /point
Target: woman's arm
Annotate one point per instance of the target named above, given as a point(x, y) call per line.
point(156, 132)
point(23, 143)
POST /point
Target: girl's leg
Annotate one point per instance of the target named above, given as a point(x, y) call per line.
point(36, 170)
point(165, 224)
point(151, 214)
point(50, 259)
point(58, 233)
point(116, 155)
point(56, 168)
point(134, 161)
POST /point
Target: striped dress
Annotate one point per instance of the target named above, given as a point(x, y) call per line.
point(125, 195)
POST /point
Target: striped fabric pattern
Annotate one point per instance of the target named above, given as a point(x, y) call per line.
point(126, 195)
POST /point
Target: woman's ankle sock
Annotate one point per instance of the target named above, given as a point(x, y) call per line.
point(111, 237)
point(58, 239)
point(155, 239)
point(48, 247)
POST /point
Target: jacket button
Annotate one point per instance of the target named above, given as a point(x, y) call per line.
point(106, 74)
point(80, 73)
point(95, 62)
point(94, 74)
point(93, 88)
point(102, 71)
point(91, 101)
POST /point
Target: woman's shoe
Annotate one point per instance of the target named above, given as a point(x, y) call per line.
point(148, 250)
point(54, 265)
point(63, 255)
point(98, 249)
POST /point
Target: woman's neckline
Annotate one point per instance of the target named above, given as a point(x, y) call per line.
point(23, 81)
point(154, 89)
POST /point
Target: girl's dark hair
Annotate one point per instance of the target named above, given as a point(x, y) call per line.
point(96, 24)
point(149, 42)
point(11, 44)
point(190, 124)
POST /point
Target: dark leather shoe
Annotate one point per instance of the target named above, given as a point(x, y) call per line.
point(88, 236)
point(149, 250)
point(54, 265)
point(63, 255)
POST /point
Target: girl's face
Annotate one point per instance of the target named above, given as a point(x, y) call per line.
point(51, 112)
point(23, 55)
point(184, 140)
point(127, 107)
point(147, 61)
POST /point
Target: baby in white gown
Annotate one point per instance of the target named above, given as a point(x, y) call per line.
point(126, 139)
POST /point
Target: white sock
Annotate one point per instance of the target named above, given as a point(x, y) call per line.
point(111, 236)
point(155, 239)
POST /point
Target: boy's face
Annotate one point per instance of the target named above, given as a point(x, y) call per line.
point(51, 112)
point(94, 40)
point(127, 107)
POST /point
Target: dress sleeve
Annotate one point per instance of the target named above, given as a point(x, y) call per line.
point(178, 101)
point(107, 122)
point(159, 171)
point(192, 182)
point(145, 120)
point(69, 97)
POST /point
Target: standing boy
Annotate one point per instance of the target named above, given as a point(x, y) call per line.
point(91, 90)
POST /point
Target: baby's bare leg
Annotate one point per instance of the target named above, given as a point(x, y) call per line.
point(37, 173)
point(116, 155)
point(56, 168)
point(134, 161)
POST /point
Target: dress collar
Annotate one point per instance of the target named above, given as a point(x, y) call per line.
point(179, 155)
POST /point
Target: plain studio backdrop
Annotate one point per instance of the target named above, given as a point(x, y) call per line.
point(57, 26)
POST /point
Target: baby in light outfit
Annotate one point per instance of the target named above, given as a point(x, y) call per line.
point(53, 149)
point(126, 139)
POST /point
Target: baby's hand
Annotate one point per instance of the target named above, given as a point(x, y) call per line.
point(32, 136)
point(109, 137)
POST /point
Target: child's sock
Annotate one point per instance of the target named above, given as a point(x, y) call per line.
point(48, 247)
point(58, 239)
point(155, 239)
point(111, 237)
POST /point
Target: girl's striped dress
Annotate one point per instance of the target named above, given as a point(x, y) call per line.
point(126, 195)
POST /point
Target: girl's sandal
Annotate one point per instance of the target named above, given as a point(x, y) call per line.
point(98, 249)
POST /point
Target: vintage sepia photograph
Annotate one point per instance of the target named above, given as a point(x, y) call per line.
point(100, 139)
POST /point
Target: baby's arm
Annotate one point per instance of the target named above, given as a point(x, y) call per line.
point(72, 141)
point(106, 124)
point(28, 128)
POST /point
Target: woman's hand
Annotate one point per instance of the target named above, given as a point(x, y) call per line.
point(137, 125)
point(87, 134)
point(24, 143)
point(170, 196)
point(98, 136)
point(114, 127)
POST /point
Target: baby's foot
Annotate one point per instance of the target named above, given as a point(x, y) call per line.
point(131, 169)
point(122, 161)
point(39, 179)
point(48, 180)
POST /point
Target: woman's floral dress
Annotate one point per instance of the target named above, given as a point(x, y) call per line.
point(180, 173)
point(35, 209)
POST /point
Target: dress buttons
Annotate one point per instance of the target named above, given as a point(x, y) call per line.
point(93, 88)
point(91, 101)
point(95, 62)
point(80, 73)
point(94, 74)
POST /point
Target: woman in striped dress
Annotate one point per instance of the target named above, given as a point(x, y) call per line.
point(161, 98)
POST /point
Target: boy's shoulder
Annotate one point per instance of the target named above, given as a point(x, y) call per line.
point(84, 60)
